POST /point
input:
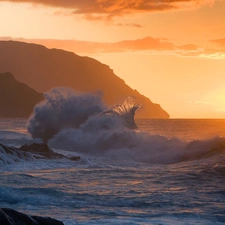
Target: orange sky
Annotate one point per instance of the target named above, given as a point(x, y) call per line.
point(171, 51)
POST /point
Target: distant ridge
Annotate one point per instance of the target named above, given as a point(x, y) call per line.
point(16, 99)
point(43, 69)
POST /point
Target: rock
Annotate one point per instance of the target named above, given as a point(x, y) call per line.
point(16, 99)
point(41, 149)
point(13, 217)
point(35, 150)
point(75, 158)
point(15, 152)
point(4, 219)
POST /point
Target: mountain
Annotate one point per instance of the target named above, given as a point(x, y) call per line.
point(16, 99)
point(42, 69)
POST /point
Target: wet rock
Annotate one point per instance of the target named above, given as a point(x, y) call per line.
point(35, 151)
point(75, 158)
point(13, 217)
point(15, 152)
point(41, 149)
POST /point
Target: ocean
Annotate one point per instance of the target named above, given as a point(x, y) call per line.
point(169, 171)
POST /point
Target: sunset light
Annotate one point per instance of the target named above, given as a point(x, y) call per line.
point(172, 52)
point(112, 112)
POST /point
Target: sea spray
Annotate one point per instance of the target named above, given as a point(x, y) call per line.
point(63, 108)
point(121, 144)
point(82, 123)
point(125, 111)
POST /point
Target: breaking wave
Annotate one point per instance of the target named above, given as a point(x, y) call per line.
point(82, 123)
point(63, 108)
point(125, 112)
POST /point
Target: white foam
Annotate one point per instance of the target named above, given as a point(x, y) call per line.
point(63, 108)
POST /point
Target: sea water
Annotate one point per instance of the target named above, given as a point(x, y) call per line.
point(169, 171)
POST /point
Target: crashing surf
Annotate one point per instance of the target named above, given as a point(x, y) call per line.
point(125, 111)
point(63, 108)
point(81, 123)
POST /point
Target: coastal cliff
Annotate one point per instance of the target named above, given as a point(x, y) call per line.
point(42, 69)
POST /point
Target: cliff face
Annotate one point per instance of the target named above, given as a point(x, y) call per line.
point(16, 99)
point(43, 69)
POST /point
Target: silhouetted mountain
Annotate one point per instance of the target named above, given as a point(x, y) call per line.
point(16, 99)
point(43, 69)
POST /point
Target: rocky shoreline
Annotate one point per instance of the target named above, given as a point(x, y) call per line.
point(35, 151)
point(12, 217)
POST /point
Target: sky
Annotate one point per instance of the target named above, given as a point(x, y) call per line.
point(172, 51)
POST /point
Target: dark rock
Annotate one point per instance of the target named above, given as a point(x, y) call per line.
point(46, 221)
point(4, 219)
point(75, 158)
point(16, 99)
point(35, 150)
point(8, 149)
point(16, 152)
point(13, 217)
point(41, 149)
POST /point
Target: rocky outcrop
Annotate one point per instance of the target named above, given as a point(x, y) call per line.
point(43, 69)
point(16, 99)
point(40, 150)
point(13, 217)
point(35, 151)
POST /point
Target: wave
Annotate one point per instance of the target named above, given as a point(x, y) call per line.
point(62, 108)
point(138, 146)
point(14, 138)
point(81, 123)
point(205, 148)
point(125, 112)
point(122, 146)
point(10, 155)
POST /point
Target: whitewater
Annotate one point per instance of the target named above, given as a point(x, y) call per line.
point(143, 171)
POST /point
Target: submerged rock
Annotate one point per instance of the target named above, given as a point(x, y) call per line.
point(13, 217)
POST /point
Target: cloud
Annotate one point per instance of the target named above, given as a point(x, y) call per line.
point(189, 47)
point(220, 42)
point(146, 45)
point(215, 51)
point(129, 25)
point(107, 9)
point(215, 55)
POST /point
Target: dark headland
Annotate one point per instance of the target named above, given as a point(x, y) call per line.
point(16, 99)
point(41, 69)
